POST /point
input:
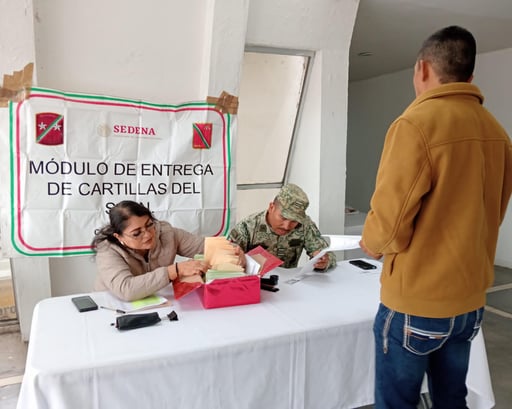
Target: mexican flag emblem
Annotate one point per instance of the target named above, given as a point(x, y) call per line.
point(202, 135)
point(49, 128)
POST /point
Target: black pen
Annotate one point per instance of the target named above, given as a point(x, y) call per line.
point(113, 309)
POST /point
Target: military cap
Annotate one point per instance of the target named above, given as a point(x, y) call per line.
point(294, 202)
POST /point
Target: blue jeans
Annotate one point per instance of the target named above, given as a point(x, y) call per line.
point(407, 347)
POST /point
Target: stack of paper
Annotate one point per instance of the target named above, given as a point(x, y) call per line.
point(219, 252)
point(215, 274)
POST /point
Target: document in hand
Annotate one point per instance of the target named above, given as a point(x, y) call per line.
point(336, 243)
point(342, 242)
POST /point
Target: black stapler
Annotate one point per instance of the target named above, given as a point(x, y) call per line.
point(269, 283)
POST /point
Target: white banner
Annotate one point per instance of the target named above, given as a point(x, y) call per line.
point(67, 158)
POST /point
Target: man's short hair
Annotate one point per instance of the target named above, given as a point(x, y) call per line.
point(452, 52)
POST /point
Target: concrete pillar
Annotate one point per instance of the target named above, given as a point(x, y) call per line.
point(31, 278)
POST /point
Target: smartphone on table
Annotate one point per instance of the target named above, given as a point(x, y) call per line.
point(363, 264)
point(84, 303)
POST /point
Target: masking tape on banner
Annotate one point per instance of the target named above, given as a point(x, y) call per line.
point(16, 87)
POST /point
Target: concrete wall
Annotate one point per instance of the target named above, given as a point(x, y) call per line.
point(373, 105)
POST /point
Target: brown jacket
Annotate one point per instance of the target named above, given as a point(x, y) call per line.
point(128, 276)
point(442, 189)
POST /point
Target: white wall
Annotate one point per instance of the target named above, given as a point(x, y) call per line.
point(375, 103)
point(122, 48)
point(492, 75)
point(175, 51)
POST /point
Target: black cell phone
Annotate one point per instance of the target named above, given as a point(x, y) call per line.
point(84, 303)
point(362, 264)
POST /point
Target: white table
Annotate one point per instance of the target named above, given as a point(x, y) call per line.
point(310, 345)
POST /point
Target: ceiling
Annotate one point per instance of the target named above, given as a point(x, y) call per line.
point(393, 30)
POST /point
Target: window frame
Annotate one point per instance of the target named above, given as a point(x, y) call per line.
point(308, 58)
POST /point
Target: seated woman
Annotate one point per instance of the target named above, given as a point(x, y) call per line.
point(135, 253)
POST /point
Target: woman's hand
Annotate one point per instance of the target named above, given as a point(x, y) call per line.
point(192, 267)
point(240, 254)
point(190, 270)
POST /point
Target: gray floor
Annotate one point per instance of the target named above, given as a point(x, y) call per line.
point(497, 329)
point(13, 353)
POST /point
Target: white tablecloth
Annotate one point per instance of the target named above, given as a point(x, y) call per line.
point(310, 345)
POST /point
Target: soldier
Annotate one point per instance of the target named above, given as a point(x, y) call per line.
point(284, 230)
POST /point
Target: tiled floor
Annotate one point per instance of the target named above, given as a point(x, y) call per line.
point(497, 329)
point(13, 352)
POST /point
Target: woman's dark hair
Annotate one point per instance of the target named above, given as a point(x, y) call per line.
point(119, 215)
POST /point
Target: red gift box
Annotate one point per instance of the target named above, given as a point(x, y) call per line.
point(227, 292)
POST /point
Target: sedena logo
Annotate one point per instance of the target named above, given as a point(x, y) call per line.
point(133, 130)
point(49, 128)
point(104, 129)
point(202, 135)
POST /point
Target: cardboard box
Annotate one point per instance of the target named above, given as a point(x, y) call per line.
point(227, 292)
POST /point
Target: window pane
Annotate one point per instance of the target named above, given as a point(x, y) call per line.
point(270, 93)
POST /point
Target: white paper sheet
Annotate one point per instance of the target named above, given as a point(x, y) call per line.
point(252, 267)
point(336, 243)
point(342, 242)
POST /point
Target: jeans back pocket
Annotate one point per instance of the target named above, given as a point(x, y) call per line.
point(424, 335)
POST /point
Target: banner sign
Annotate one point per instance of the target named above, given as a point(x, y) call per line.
point(71, 157)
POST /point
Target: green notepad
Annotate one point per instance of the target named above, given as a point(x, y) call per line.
point(152, 300)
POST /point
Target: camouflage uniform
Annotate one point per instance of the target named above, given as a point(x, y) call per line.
point(254, 231)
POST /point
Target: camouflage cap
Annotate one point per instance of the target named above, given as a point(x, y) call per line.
point(294, 202)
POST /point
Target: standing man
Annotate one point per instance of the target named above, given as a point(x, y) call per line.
point(284, 230)
point(442, 189)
